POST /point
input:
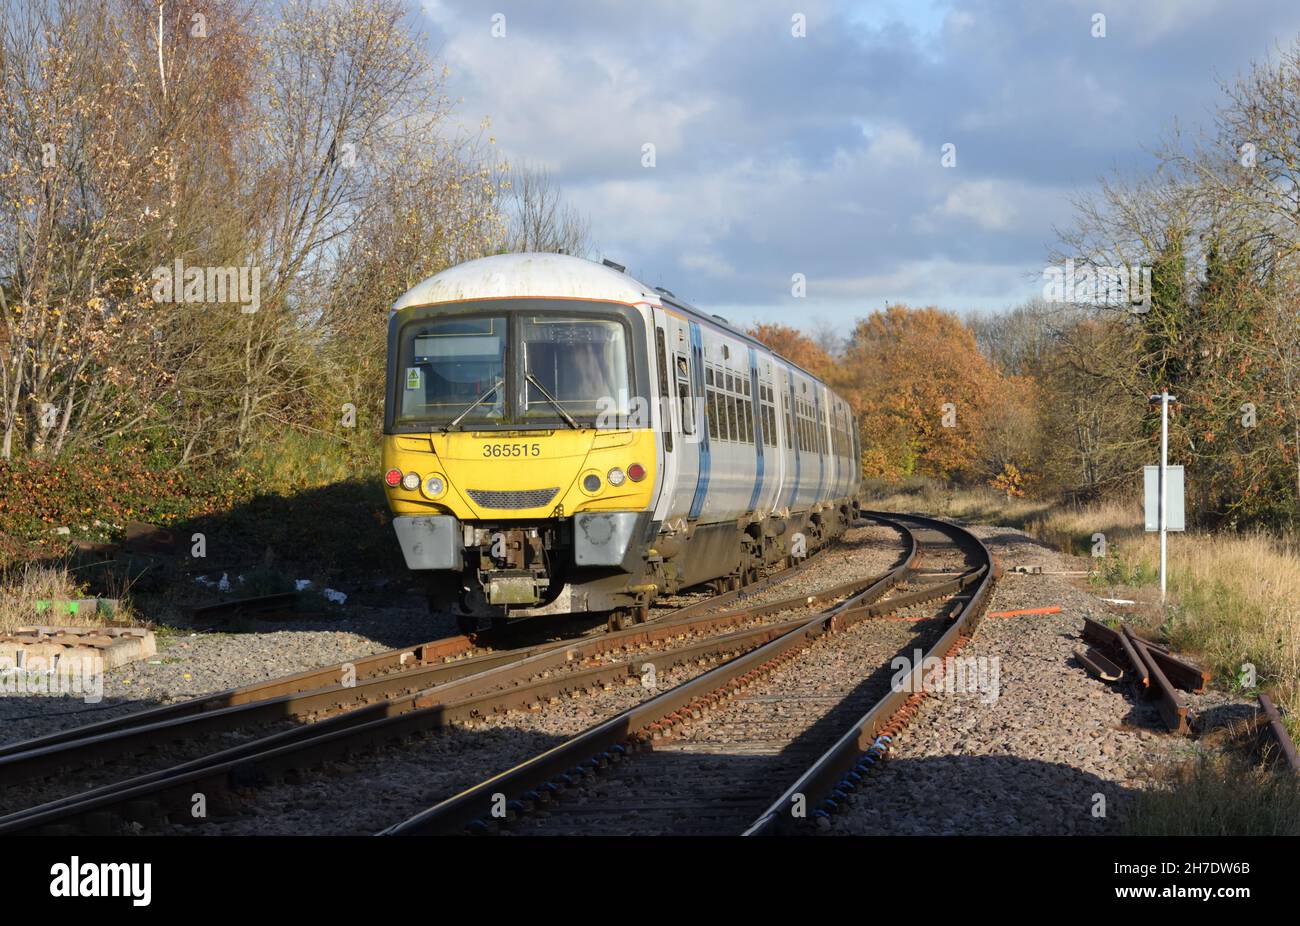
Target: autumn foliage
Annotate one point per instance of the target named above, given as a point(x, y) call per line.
point(925, 396)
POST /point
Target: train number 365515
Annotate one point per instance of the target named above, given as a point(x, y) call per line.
point(512, 450)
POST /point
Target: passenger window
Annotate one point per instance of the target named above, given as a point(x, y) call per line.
point(684, 395)
point(664, 408)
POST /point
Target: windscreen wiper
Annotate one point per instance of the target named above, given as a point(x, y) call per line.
point(473, 405)
point(568, 419)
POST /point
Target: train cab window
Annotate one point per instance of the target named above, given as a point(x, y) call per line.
point(582, 362)
point(448, 364)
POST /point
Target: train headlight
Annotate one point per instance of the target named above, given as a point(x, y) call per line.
point(411, 482)
point(591, 483)
point(393, 477)
point(636, 472)
point(434, 486)
point(615, 477)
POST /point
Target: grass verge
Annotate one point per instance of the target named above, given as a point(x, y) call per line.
point(22, 586)
point(1218, 795)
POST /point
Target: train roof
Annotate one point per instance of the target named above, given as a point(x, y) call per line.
point(556, 276)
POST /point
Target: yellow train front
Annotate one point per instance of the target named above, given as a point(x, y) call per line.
point(549, 448)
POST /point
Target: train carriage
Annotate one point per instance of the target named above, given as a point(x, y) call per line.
point(560, 437)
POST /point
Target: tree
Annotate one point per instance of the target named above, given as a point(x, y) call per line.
point(107, 168)
point(539, 219)
point(923, 393)
point(795, 346)
point(305, 143)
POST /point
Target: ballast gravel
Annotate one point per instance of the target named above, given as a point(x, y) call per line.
point(1055, 751)
point(189, 664)
point(1050, 749)
point(383, 787)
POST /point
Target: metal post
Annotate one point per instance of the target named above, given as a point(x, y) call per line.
point(1165, 398)
point(1164, 483)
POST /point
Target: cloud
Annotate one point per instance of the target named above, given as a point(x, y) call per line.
point(821, 154)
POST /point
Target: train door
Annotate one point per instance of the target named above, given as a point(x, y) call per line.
point(792, 442)
point(818, 438)
point(670, 449)
point(756, 395)
point(690, 391)
point(832, 462)
point(678, 368)
point(776, 462)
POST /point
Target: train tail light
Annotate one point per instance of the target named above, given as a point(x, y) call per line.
point(636, 472)
point(393, 477)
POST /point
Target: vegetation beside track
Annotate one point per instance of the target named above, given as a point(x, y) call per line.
point(295, 515)
point(1219, 794)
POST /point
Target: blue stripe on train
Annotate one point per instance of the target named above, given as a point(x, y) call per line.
point(697, 381)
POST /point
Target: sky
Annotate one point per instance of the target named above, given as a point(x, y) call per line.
point(823, 154)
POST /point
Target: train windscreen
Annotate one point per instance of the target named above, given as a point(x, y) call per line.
point(581, 363)
point(450, 364)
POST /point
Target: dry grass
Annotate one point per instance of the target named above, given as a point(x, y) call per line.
point(1218, 795)
point(23, 586)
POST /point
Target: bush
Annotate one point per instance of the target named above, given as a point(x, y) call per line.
point(37, 496)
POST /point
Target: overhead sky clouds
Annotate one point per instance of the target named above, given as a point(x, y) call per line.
point(822, 155)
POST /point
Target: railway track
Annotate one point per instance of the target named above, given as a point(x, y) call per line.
point(391, 695)
point(764, 742)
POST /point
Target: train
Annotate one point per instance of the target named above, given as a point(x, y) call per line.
point(560, 437)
